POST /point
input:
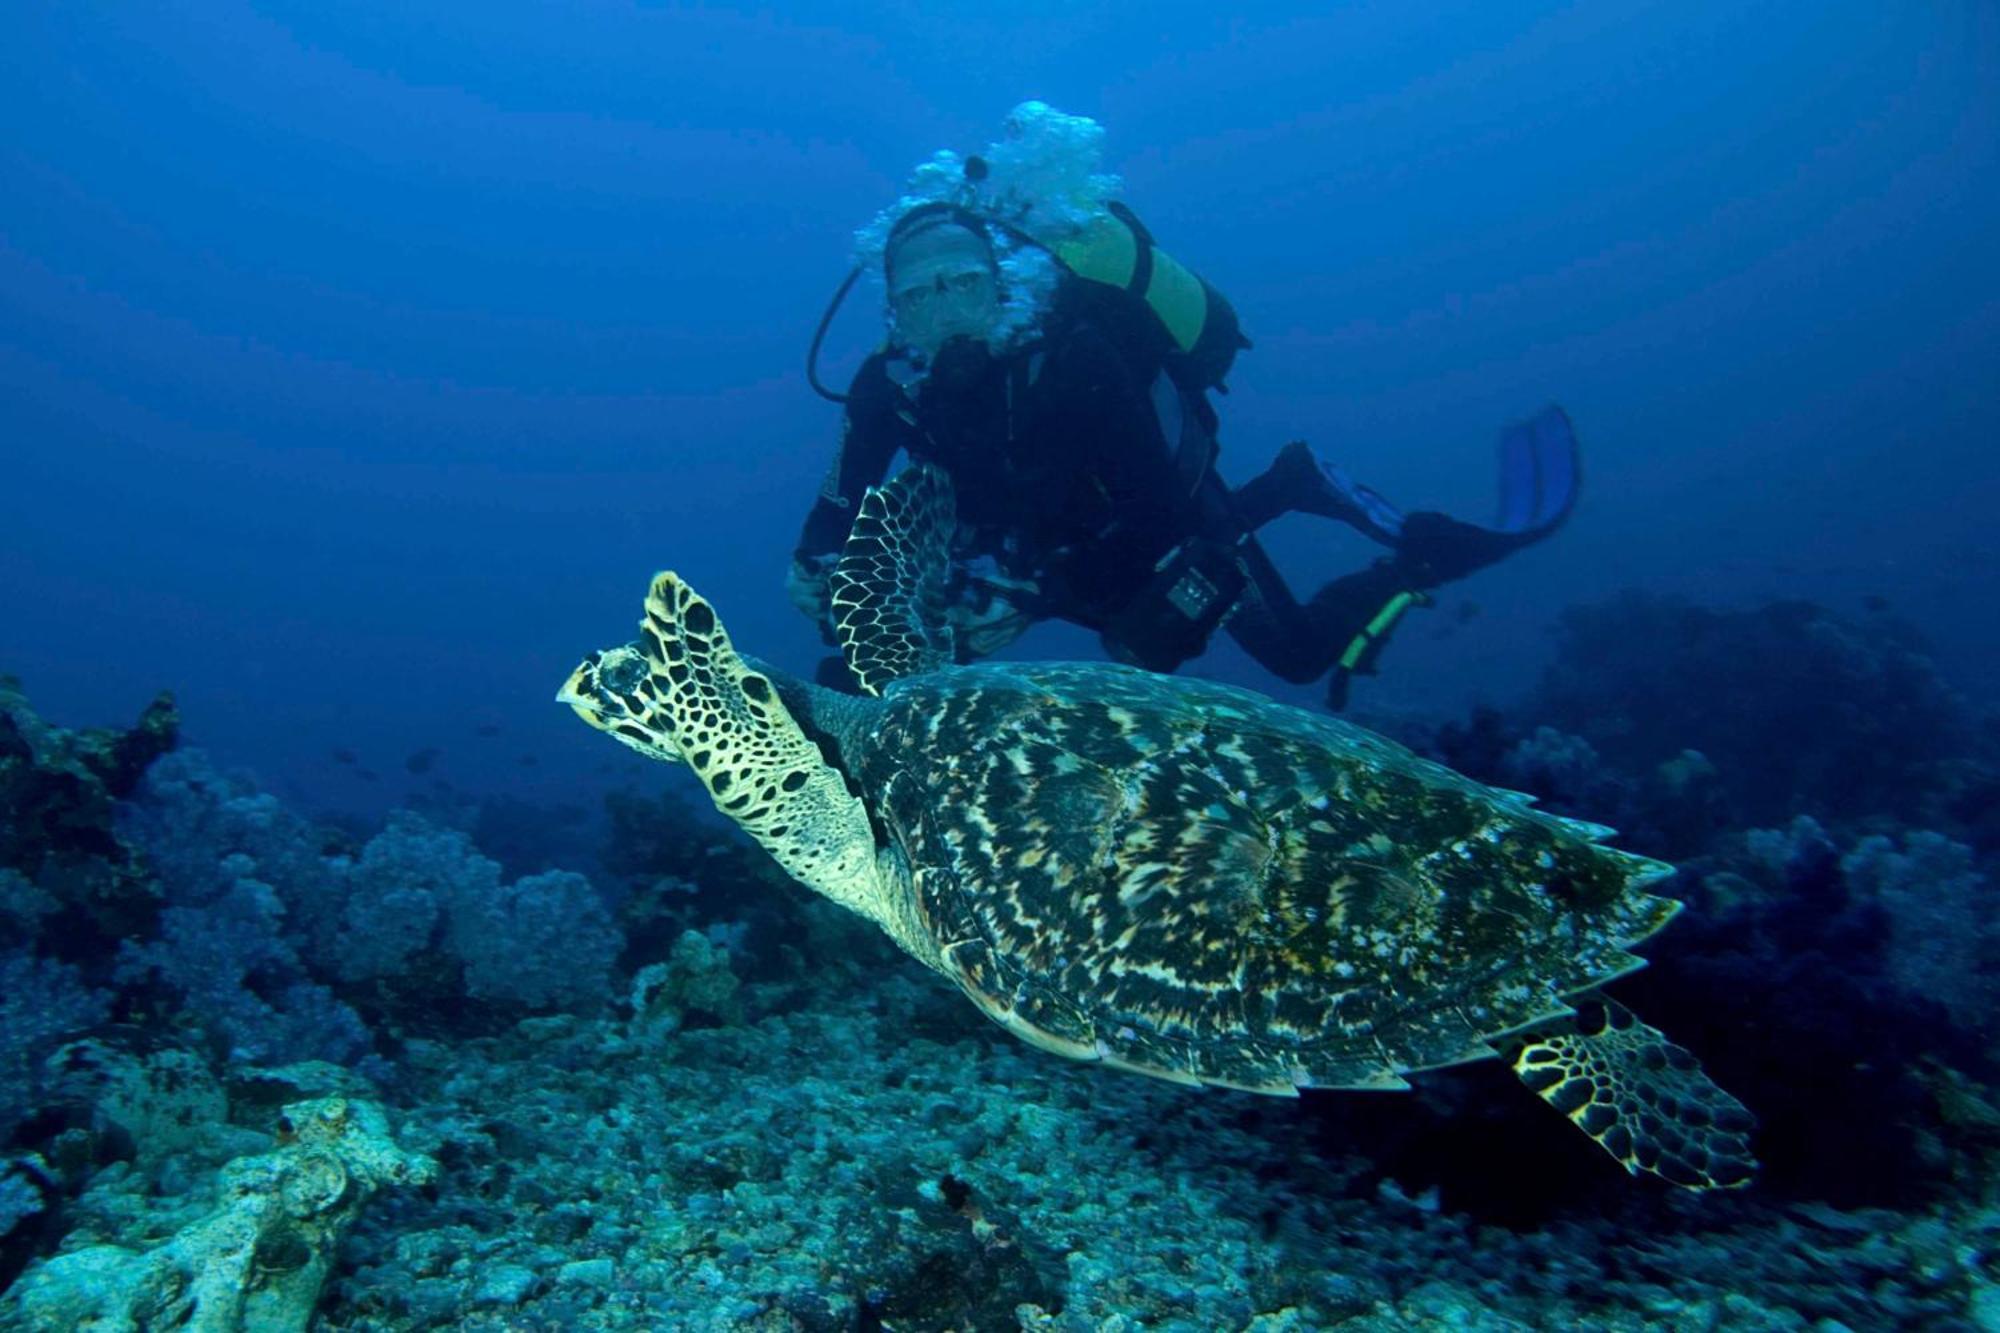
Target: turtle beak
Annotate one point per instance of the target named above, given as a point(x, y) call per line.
point(580, 691)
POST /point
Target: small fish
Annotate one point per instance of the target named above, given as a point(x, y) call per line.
point(529, 761)
point(345, 756)
point(1875, 602)
point(423, 760)
point(367, 775)
point(1465, 611)
point(487, 729)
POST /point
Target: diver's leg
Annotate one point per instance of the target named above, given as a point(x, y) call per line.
point(1290, 641)
point(1297, 482)
point(1343, 626)
point(1271, 493)
point(1357, 613)
point(1273, 636)
point(1539, 478)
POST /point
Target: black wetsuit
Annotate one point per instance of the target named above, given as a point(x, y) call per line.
point(1079, 462)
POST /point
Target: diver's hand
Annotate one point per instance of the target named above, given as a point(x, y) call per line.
point(806, 583)
point(991, 612)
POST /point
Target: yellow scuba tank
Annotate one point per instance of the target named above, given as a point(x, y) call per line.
point(1119, 252)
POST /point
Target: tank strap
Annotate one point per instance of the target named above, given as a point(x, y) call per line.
point(1142, 260)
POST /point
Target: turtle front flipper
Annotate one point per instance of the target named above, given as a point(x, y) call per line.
point(888, 589)
point(1643, 1099)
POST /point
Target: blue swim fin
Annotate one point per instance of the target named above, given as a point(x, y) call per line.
point(1363, 507)
point(1538, 485)
point(1538, 474)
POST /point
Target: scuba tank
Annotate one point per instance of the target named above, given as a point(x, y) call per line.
point(1118, 251)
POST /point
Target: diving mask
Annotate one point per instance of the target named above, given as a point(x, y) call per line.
point(942, 285)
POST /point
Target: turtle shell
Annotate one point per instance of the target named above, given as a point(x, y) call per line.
point(1193, 881)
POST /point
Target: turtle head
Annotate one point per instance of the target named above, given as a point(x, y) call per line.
point(681, 692)
point(611, 690)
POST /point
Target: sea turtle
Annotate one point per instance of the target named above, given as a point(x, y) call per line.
point(1170, 875)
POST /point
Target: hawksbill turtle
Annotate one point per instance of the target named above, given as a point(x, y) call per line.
point(1170, 875)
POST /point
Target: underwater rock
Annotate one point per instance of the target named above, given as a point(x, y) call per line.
point(694, 979)
point(119, 1095)
point(505, 1284)
point(58, 790)
point(160, 1099)
point(259, 1260)
point(253, 1089)
point(943, 1256)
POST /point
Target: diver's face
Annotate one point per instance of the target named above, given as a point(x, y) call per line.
point(942, 287)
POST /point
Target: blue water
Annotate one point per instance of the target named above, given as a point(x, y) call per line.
point(359, 364)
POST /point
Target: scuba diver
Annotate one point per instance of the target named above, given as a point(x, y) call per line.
point(1056, 364)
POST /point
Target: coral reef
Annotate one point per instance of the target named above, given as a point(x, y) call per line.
point(1938, 907)
point(140, 884)
point(258, 1260)
point(281, 942)
point(542, 942)
point(58, 791)
point(1845, 956)
point(880, 1157)
point(682, 1093)
point(40, 1000)
point(232, 971)
point(1798, 709)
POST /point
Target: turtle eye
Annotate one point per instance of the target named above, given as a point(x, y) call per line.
point(622, 670)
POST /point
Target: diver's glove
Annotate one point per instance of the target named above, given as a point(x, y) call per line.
point(807, 584)
point(990, 612)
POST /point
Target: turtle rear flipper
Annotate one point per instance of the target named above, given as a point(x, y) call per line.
point(1643, 1099)
point(888, 589)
